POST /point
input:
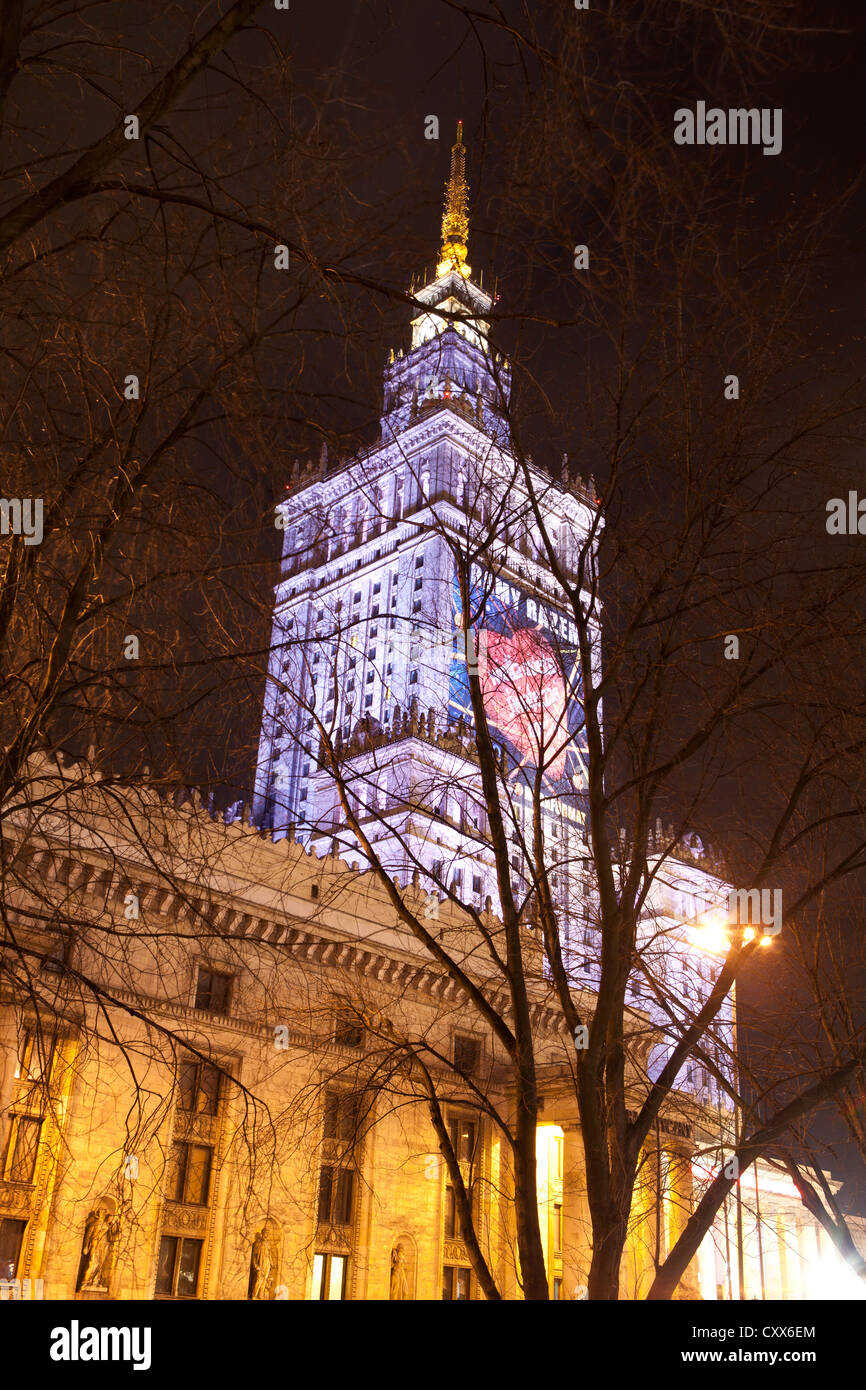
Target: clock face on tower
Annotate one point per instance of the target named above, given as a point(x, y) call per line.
point(529, 673)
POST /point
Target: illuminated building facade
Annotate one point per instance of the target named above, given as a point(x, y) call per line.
point(245, 965)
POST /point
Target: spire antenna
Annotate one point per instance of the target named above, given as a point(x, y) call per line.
point(455, 217)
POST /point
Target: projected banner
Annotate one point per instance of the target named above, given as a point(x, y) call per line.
point(528, 664)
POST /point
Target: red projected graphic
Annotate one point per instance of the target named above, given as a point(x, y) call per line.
point(524, 695)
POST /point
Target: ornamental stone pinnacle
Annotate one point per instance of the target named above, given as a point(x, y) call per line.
point(455, 217)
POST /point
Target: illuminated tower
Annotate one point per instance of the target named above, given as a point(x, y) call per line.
point(363, 642)
point(364, 648)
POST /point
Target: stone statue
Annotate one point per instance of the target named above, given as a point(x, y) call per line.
point(111, 1239)
point(261, 1266)
point(399, 1277)
point(92, 1249)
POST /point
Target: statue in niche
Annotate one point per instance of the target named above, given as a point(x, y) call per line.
point(92, 1249)
point(99, 1246)
point(111, 1239)
point(265, 1260)
point(260, 1267)
point(400, 1290)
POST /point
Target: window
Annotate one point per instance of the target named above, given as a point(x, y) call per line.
point(177, 1267)
point(419, 561)
point(413, 677)
point(419, 584)
point(463, 1137)
point(377, 588)
point(374, 631)
point(557, 1228)
point(453, 1229)
point(35, 1053)
point(456, 1284)
point(336, 1195)
point(557, 1290)
point(466, 1053)
point(212, 991)
point(342, 1110)
point(199, 1087)
point(11, 1237)
point(374, 611)
point(476, 883)
point(54, 962)
point(189, 1173)
point(371, 676)
point(416, 606)
point(368, 701)
point(23, 1144)
point(372, 654)
point(329, 1277)
point(348, 1033)
point(356, 597)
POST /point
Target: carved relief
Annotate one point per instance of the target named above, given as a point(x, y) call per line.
point(14, 1197)
point(183, 1218)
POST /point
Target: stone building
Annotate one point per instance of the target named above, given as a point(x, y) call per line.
point(224, 1054)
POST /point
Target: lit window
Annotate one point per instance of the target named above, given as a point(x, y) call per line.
point(452, 1216)
point(198, 1087)
point(336, 1195)
point(189, 1176)
point(23, 1146)
point(35, 1052)
point(456, 1284)
point(11, 1238)
point(463, 1133)
point(177, 1267)
point(329, 1277)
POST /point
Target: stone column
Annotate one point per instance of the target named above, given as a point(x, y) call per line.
point(576, 1225)
point(681, 1205)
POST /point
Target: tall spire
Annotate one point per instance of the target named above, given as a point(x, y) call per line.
point(455, 217)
